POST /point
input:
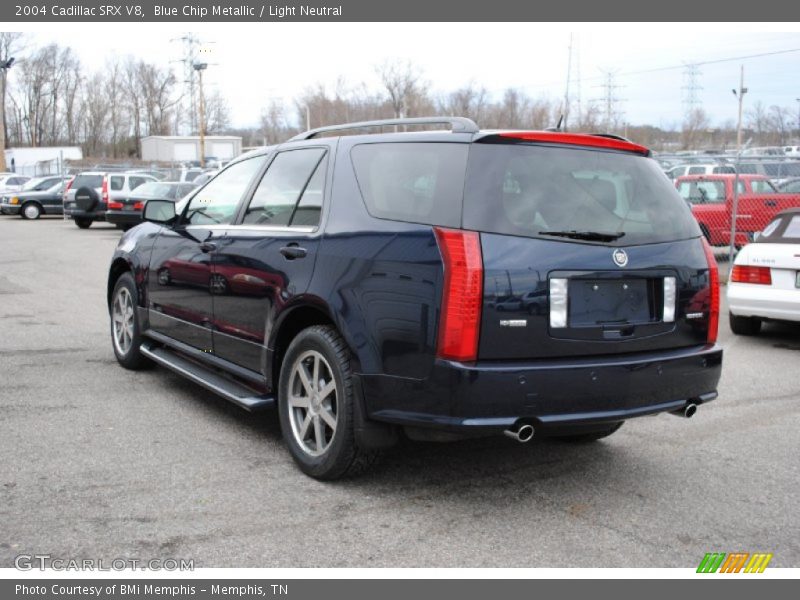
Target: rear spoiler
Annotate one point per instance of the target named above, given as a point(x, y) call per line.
point(591, 140)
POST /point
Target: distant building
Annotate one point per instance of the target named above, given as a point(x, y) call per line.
point(184, 148)
point(41, 161)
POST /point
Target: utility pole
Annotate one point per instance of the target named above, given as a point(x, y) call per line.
point(798, 119)
point(566, 89)
point(5, 65)
point(200, 67)
point(740, 95)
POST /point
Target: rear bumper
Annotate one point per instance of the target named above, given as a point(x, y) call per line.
point(767, 302)
point(97, 214)
point(551, 394)
point(75, 213)
point(119, 217)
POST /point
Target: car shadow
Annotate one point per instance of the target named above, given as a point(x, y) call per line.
point(497, 462)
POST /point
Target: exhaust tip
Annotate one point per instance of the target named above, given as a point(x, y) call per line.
point(523, 433)
point(689, 411)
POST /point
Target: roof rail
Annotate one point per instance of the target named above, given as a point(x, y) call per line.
point(457, 125)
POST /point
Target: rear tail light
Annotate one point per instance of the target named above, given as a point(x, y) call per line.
point(69, 185)
point(462, 297)
point(115, 205)
point(747, 274)
point(713, 304)
point(138, 205)
point(105, 190)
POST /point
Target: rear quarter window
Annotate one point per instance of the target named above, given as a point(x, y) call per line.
point(412, 182)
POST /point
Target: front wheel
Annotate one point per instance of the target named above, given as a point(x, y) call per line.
point(83, 222)
point(31, 211)
point(126, 336)
point(744, 325)
point(316, 403)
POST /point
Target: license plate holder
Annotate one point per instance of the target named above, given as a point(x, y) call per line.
point(601, 302)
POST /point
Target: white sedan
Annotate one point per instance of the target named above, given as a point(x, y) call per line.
point(765, 279)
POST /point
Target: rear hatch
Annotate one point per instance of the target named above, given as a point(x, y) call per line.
point(587, 251)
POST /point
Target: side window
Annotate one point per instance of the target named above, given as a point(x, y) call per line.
point(287, 179)
point(217, 201)
point(135, 181)
point(116, 183)
point(697, 170)
point(414, 182)
point(309, 208)
point(749, 169)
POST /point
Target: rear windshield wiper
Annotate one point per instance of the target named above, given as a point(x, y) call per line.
point(592, 236)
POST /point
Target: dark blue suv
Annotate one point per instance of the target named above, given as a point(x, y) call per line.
point(442, 284)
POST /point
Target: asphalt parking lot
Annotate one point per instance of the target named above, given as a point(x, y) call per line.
point(100, 462)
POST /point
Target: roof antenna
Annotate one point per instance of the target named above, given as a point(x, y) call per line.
point(557, 127)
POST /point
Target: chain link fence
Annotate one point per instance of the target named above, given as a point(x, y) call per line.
point(734, 198)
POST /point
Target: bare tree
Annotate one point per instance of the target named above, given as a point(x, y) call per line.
point(401, 80)
point(217, 115)
point(695, 125)
point(469, 101)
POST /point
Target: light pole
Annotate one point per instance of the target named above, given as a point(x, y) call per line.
point(740, 95)
point(5, 65)
point(735, 211)
point(798, 119)
point(200, 67)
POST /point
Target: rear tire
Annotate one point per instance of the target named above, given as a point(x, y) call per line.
point(590, 436)
point(83, 222)
point(744, 325)
point(316, 378)
point(30, 211)
point(126, 335)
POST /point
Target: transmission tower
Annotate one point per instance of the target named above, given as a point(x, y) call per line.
point(612, 102)
point(691, 87)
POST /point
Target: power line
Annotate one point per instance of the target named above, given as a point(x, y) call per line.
point(680, 66)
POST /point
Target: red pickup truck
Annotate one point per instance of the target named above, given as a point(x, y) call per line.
point(711, 199)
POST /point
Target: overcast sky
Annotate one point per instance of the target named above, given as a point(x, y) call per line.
point(252, 63)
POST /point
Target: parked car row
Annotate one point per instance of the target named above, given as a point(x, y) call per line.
point(115, 196)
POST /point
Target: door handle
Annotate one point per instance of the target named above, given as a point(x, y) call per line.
point(293, 251)
point(208, 247)
point(770, 203)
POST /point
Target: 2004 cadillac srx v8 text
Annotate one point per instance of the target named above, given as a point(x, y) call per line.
point(441, 283)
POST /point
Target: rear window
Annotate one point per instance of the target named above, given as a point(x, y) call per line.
point(92, 181)
point(782, 169)
point(413, 182)
point(783, 229)
point(156, 190)
point(533, 190)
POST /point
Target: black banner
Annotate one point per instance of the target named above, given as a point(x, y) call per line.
point(32, 11)
point(731, 588)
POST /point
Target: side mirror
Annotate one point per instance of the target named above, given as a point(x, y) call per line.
point(159, 211)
